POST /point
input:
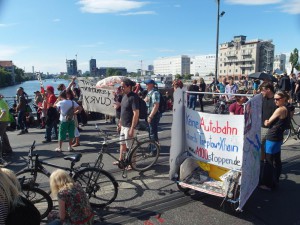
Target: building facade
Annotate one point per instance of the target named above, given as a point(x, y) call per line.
point(203, 65)
point(103, 71)
point(280, 62)
point(72, 67)
point(172, 65)
point(240, 57)
point(93, 67)
point(9, 67)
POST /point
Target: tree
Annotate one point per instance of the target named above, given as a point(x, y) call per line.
point(294, 57)
point(187, 76)
point(5, 78)
point(19, 75)
point(178, 76)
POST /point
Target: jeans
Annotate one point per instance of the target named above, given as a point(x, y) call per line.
point(55, 222)
point(49, 127)
point(21, 120)
point(153, 127)
point(192, 101)
point(4, 145)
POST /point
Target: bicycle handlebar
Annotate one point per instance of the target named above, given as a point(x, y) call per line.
point(32, 147)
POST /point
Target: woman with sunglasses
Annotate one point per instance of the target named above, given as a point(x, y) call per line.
point(277, 123)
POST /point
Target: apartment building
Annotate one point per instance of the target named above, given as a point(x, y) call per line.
point(279, 62)
point(72, 67)
point(203, 65)
point(240, 57)
point(172, 65)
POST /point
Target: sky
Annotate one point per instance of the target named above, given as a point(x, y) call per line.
point(133, 33)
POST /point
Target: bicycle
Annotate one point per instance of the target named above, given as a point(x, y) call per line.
point(222, 106)
point(140, 156)
point(290, 132)
point(41, 200)
point(100, 186)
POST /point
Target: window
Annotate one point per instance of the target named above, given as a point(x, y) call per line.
point(236, 70)
point(224, 71)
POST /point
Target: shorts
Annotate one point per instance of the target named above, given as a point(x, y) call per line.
point(64, 128)
point(124, 137)
point(273, 147)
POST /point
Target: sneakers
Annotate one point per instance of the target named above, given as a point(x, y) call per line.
point(26, 131)
point(3, 163)
point(70, 149)
point(46, 141)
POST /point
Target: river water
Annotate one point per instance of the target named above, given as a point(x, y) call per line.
point(31, 86)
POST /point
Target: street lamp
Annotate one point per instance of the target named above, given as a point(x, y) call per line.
point(217, 41)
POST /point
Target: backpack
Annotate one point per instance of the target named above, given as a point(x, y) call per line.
point(143, 109)
point(24, 214)
point(70, 113)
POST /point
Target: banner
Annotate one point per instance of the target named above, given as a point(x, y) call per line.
point(215, 139)
point(96, 99)
point(251, 154)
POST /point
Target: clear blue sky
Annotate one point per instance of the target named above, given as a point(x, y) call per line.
point(43, 33)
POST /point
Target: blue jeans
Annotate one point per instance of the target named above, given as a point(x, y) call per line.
point(21, 120)
point(153, 127)
point(192, 101)
point(55, 222)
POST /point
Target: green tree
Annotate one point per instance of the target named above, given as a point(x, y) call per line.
point(178, 76)
point(5, 78)
point(294, 57)
point(110, 72)
point(19, 75)
point(187, 76)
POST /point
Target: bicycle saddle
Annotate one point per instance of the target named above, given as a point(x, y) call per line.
point(73, 158)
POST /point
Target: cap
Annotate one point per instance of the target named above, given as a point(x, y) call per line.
point(50, 88)
point(149, 81)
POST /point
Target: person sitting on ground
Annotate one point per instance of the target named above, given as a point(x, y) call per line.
point(73, 204)
point(15, 209)
point(237, 108)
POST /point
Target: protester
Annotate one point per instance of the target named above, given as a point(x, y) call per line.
point(70, 96)
point(21, 109)
point(38, 101)
point(237, 108)
point(66, 126)
point(5, 147)
point(192, 97)
point(277, 124)
point(230, 89)
point(255, 86)
point(177, 84)
point(117, 104)
point(152, 100)
point(285, 84)
point(169, 100)
point(129, 116)
point(293, 81)
point(268, 108)
point(73, 204)
point(297, 90)
point(51, 116)
point(202, 88)
point(221, 86)
point(213, 85)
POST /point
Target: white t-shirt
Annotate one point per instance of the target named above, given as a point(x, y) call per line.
point(63, 106)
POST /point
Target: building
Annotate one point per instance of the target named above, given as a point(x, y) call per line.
point(240, 57)
point(93, 67)
point(279, 62)
point(104, 71)
point(172, 65)
point(71, 67)
point(9, 67)
point(203, 65)
point(150, 68)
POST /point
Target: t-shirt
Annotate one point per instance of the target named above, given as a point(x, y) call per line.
point(154, 97)
point(236, 109)
point(268, 108)
point(64, 106)
point(4, 108)
point(22, 102)
point(51, 99)
point(129, 103)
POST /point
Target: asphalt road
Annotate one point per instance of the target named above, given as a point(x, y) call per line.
point(151, 198)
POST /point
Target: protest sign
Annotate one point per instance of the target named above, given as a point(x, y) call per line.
point(96, 99)
point(215, 139)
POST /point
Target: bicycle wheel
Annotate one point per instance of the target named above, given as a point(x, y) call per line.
point(100, 186)
point(144, 155)
point(40, 179)
point(286, 135)
point(41, 200)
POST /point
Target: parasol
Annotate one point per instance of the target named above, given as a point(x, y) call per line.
point(110, 81)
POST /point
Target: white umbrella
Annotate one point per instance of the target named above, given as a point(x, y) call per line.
point(109, 82)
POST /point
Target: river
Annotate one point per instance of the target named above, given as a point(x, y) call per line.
point(31, 86)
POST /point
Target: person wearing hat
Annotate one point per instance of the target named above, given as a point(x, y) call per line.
point(21, 109)
point(4, 120)
point(52, 115)
point(152, 100)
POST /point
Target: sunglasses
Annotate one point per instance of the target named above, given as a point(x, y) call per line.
point(277, 99)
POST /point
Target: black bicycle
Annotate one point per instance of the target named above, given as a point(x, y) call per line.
point(141, 155)
point(100, 186)
point(41, 200)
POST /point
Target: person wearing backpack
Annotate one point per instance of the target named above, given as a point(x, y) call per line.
point(153, 99)
point(15, 209)
point(67, 109)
